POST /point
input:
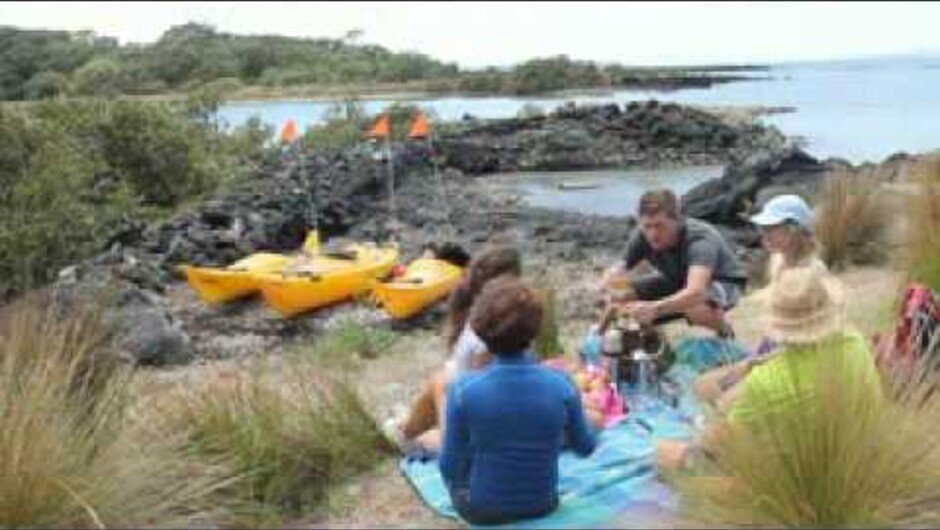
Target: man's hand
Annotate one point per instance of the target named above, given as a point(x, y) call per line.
point(644, 312)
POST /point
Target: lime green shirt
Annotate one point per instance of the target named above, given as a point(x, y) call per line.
point(791, 378)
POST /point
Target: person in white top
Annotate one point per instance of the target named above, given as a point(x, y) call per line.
point(426, 419)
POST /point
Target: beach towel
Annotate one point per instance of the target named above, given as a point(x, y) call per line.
point(618, 485)
point(619, 477)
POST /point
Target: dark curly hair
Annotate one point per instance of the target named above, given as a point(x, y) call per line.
point(507, 316)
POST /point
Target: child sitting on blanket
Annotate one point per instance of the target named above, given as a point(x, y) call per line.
point(420, 431)
point(422, 427)
point(506, 424)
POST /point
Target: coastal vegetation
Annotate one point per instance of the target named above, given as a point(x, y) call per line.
point(74, 174)
point(42, 64)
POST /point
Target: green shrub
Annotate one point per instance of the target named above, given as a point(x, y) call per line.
point(101, 77)
point(47, 85)
point(69, 172)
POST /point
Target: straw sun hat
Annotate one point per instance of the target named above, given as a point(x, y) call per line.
point(806, 304)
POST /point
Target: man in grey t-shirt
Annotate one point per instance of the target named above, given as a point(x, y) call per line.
point(697, 274)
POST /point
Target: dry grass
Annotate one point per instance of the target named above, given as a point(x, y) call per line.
point(922, 218)
point(292, 436)
point(548, 343)
point(845, 457)
point(69, 454)
point(853, 221)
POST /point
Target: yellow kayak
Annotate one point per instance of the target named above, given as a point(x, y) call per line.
point(326, 278)
point(217, 285)
point(425, 282)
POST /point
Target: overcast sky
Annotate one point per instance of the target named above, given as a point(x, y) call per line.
point(476, 34)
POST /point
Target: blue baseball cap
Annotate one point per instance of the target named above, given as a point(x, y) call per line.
point(783, 208)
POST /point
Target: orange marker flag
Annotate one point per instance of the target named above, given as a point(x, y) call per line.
point(420, 128)
point(382, 128)
point(289, 133)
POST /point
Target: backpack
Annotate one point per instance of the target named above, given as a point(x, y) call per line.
point(913, 344)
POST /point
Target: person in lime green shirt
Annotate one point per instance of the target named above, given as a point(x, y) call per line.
point(806, 316)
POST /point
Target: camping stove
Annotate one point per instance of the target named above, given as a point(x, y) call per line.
point(638, 354)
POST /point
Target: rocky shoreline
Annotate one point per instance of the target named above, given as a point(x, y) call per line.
point(160, 322)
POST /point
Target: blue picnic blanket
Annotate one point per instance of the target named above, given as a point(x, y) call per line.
point(618, 485)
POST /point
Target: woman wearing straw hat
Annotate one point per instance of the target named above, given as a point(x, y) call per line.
point(806, 316)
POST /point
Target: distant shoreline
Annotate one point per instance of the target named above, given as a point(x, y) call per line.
point(262, 95)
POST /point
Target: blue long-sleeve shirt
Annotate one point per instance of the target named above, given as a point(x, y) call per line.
point(505, 427)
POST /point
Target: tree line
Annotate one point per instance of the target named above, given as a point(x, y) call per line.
point(45, 64)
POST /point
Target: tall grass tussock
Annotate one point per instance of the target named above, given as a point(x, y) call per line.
point(290, 436)
point(852, 221)
point(845, 457)
point(922, 216)
point(70, 453)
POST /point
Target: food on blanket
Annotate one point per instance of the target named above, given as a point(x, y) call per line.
point(582, 380)
point(598, 395)
point(596, 417)
point(596, 398)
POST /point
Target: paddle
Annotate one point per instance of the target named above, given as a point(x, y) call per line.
point(412, 281)
point(341, 254)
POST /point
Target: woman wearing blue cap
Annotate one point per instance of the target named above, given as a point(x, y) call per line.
point(786, 225)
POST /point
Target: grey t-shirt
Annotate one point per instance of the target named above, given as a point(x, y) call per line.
point(699, 244)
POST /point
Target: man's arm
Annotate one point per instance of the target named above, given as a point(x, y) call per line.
point(694, 293)
point(703, 257)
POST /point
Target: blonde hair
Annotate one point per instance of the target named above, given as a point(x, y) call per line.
point(803, 244)
point(802, 251)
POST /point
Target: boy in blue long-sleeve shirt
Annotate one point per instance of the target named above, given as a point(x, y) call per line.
point(505, 425)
